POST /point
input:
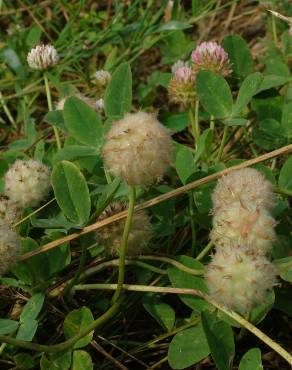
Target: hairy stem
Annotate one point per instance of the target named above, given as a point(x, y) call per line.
point(124, 243)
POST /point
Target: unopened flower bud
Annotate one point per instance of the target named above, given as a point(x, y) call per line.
point(42, 57)
point(210, 55)
point(27, 182)
point(239, 278)
point(110, 236)
point(138, 149)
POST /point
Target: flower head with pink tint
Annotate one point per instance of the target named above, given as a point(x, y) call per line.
point(210, 55)
point(181, 88)
point(184, 74)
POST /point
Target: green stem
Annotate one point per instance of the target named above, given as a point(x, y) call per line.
point(123, 247)
point(212, 122)
point(68, 343)
point(198, 293)
point(274, 29)
point(149, 344)
point(193, 227)
point(135, 262)
point(286, 192)
point(204, 251)
point(220, 152)
point(193, 126)
point(172, 262)
point(197, 124)
point(7, 111)
point(50, 106)
point(82, 261)
point(243, 330)
point(107, 176)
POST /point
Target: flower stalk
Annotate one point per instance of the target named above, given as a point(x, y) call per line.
point(50, 106)
point(123, 248)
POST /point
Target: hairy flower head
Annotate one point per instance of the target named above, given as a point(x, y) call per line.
point(9, 247)
point(210, 55)
point(42, 57)
point(181, 88)
point(110, 236)
point(9, 211)
point(178, 64)
point(138, 149)
point(247, 186)
point(102, 77)
point(27, 182)
point(239, 278)
point(238, 224)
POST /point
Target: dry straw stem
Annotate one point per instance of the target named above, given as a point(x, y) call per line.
point(197, 293)
point(161, 198)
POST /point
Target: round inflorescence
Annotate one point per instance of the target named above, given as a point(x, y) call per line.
point(247, 186)
point(9, 211)
point(239, 278)
point(138, 149)
point(110, 236)
point(10, 247)
point(240, 275)
point(211, 56)
point(238, 224)
point(42, 57)
point(181, 88)
point(102, 77)
point(178, 64)
point(27, 182)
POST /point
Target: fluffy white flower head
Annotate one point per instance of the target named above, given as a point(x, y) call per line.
point(238, 224)
point(9, 247)
point(138, 149)
point(110, 236)
point(27, 183)
point(239, 278)
point(9, 211)
point(247, 186)
point(102, 77)
point(42, 57)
